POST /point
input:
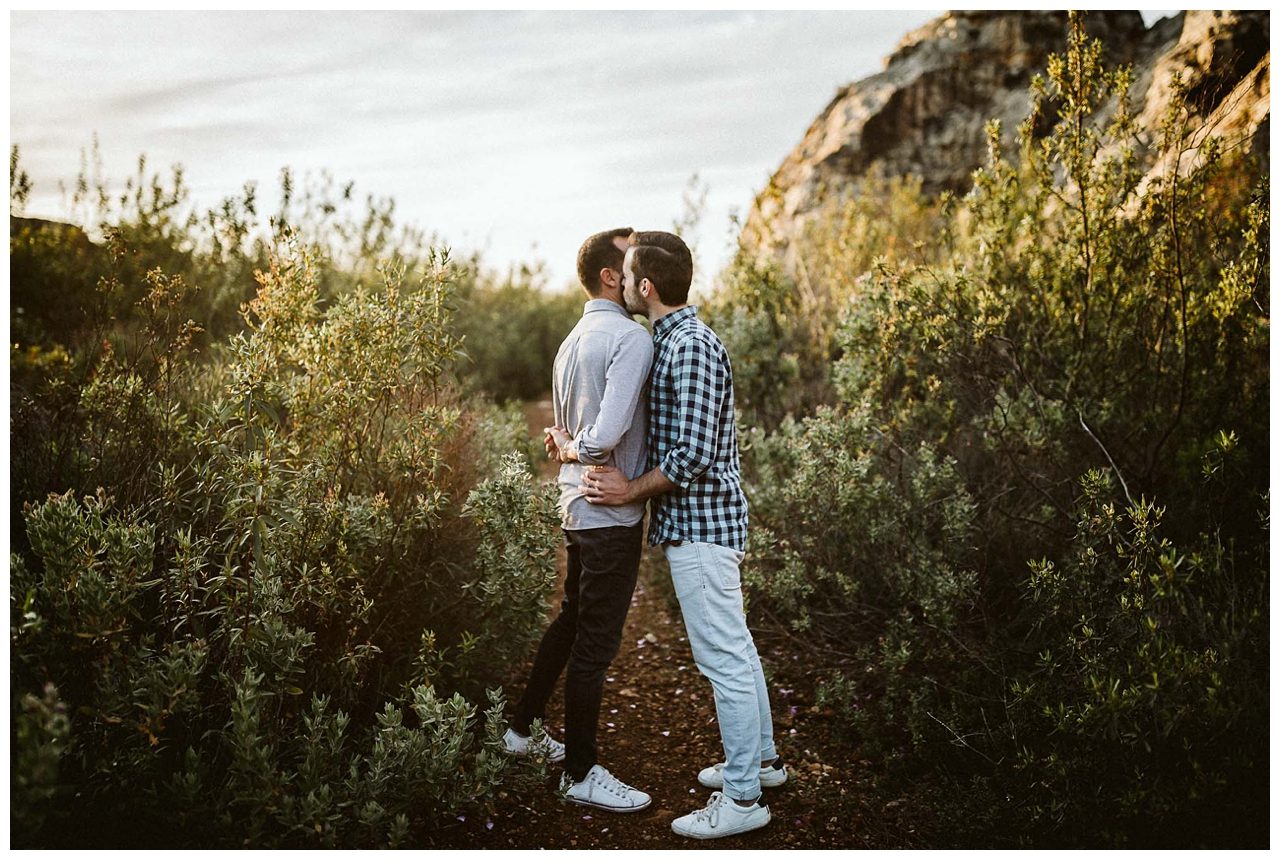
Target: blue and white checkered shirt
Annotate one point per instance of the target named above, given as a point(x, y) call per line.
point(692, 437)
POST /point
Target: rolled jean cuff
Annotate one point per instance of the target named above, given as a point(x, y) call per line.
point(739, 795)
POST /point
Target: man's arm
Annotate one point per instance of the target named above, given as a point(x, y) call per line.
point(608, 486)
point(624, 382)
point(701, 383)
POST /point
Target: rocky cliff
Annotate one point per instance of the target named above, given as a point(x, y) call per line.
point(925, 114)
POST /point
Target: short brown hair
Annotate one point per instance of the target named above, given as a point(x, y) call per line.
point(666, 261)
point(599, 252)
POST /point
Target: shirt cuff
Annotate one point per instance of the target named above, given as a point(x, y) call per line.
point(584, 455)
point(677, 471)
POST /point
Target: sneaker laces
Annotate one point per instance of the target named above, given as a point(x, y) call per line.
point(612, 784)
point(711, 812)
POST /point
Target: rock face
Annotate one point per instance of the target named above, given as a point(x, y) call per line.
point(925, 114)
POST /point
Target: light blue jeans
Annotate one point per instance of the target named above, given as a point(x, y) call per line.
point(709, 587)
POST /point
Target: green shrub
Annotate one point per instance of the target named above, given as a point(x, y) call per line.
point(866, 551)
point(755, 315)
point(1143, 702)
point(511, 329)
point(782, 329)
point(1085, 318)
point(298, 548)
point(76, 286)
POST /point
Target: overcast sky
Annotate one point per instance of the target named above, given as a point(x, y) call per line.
point(513, 133)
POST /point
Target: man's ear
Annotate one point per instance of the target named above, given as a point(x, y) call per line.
point(606, 277)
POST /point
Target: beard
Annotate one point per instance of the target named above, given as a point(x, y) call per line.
point(633, 301)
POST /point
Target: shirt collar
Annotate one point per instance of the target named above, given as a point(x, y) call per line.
point(667, 324)
point(603, 305)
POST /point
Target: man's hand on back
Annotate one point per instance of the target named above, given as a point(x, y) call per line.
point(605, 485)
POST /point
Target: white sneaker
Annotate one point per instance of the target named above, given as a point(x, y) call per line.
point(721, 817)
point(771, 775)
point(518, 745)
point(603, 790)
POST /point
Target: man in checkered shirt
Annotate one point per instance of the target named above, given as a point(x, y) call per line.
point(698, 514)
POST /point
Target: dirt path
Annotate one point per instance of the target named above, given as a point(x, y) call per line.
point(658, 729)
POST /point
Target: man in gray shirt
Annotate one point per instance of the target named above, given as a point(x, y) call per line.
point(598, 395)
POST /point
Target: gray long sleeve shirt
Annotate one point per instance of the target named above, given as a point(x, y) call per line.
point(598, 395)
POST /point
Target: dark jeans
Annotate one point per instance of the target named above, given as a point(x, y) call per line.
point(586, 635)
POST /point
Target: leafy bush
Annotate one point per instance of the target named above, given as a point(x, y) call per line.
point(781, 329)
point(73, 287)
point(866, 550)
point(297, 548)
point(753, 314)
point(511, 329)
point(1085, 317)
point(1143, 700)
